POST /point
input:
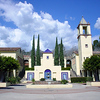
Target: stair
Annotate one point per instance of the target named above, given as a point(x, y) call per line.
point(47, 82)
point(73, 73)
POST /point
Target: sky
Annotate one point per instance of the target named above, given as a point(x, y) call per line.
point(20, 20)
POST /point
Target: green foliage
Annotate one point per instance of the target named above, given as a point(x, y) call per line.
point(8, 63)
point(38, 53)
point(18, 79)
point(33, 80)
point(7, 79)
point(64, 81)
point(13, 80)
point(90, 79)
point(67, 68)
point(56, 58)
point(54, 79)
point(96, 44)
point(42, 79)
point(78, 79)
point(61, 55)
point(92, 63)
point(33, 54)
point(29, 68)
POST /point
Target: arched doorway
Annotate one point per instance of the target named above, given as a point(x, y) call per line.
point(68, 63)
point(47, 74)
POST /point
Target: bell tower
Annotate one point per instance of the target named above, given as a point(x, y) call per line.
point(84, 43)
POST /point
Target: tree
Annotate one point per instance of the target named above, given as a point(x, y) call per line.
point(7, 64)
point(96, 45)
point(56, 58)
point(61, 54)
point(33, 54)
point(38, 53)
point(92, 64)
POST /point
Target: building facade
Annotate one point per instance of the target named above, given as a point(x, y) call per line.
point(16, 54)
point(47, 69)
point(84, 48)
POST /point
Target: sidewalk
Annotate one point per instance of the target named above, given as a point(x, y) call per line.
point(78, 92)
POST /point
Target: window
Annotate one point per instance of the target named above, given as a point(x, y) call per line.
point(86, 45)
point(47, 57)
point(84, 30)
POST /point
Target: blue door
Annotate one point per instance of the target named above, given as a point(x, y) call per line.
point(47, 74)
point(64, 75)
point(30, 75)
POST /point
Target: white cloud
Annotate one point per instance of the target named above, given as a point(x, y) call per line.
point(97, 24)
point(31, 23)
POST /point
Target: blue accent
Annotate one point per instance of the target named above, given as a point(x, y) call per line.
point(47, 74)
point(47, 51)
point(30, 75)
point(64, 75)
point(47, 57)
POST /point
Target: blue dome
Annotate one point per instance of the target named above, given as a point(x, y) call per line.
point(47, 51)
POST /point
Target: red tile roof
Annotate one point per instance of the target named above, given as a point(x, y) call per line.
point(9, 48)
point(76, 52)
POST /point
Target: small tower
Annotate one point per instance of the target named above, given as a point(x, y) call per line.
point(84, 43)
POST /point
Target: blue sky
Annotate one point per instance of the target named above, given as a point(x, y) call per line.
point(20, 20)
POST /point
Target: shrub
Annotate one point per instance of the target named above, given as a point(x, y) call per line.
point(7, 79)
point(29, 68)
point(78, 79)
point(13, 80)
point(42, 79)
point(33, 80)
point(90, 79)
point(64, 81)
point(18, 79)
point(54, 79)
point(67, 68)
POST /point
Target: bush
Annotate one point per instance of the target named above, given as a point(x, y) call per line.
point(13, 80)
point(78, 79)
point(18, 79)
point(27, 68)
point(7, 79)
point(67, 68)
point(54, 79)
point(64, 81)
point(42, 79)
point(33, 80)
point(90, 79)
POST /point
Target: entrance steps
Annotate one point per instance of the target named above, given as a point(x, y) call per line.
point(47, 82)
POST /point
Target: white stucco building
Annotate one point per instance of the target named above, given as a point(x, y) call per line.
point(84, 48)
point(47, 69)
point(14, 53)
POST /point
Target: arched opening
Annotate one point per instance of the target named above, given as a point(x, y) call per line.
point(68, 64)
point(47, 74)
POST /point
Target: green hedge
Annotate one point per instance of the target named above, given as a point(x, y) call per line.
point(29, 68)
point(81, 79)
point(67, 68)
point(64, 81)
point(42, 79)
point(78, 79)
point(54, 79)
point(90, 79)
point(13, 80)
